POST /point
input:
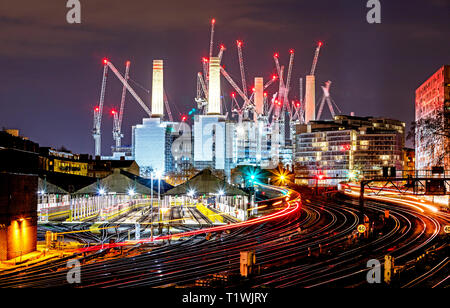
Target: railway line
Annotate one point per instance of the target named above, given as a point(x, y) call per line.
point(311, 245)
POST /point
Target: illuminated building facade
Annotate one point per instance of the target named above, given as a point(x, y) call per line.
point(348, 146)
point(432, 97)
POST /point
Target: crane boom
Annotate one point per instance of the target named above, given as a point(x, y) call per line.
point(222, 49)
point(117, 127)
point(241, 66)
point(316, 57)
point(234, 85)
point(124, 92)
point(166, 103)
point(288, 77)
point(270, 82)
point(205, 69)
point(129, 88)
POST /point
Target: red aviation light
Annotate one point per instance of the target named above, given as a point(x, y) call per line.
point(265, 94)
point(105, 61)
point(291, 51)
point(222, 46)
point(274, 77)
point(205, 60)
point(184, 118)
point(253, 89)
point(239, 43)
point(127, 63)
point(113, 111)
point(213, 21)
point(276, 55)
point(320, 44)
point(96, 108)
point(233, 95)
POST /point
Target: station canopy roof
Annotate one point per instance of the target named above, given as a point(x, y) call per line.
point(205, 183)
point(117, 182)
point(49, 188)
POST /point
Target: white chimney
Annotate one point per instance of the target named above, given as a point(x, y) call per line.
point(157, 89)
point(214, 86)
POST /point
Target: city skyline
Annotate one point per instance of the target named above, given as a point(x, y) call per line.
point(223, 150)
point(50, 58)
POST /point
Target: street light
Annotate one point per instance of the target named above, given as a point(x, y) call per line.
point(131, 192)
point(101, 191)
point(191, 193)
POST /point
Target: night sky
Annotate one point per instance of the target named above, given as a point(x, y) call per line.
point(51, 71)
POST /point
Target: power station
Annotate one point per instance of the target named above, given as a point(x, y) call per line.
point(252, 128)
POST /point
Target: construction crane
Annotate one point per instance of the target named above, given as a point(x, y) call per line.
point(288, 80)
point(327, 98)
point(117, 118)
point(129, 88)
point(202, 93)
point(98, 111)
point(241, 66)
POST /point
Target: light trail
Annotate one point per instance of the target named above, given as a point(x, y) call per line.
point(292, 207)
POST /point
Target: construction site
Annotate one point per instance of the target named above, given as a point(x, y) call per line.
point(253, 125)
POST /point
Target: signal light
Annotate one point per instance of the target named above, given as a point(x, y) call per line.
point(213, 21)
point(105, 61)
point(96, 108)
point(184, 118)
point(233, 94)
point(205, 59)
point(320, 44)
point(276, 55)
point(239, 43)
point(274, 77)
point(291, 51)
point(265, 94)
point(222, 46)
point(128, 63)
point(253, 89)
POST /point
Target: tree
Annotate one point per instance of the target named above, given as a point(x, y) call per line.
point(431, 134)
